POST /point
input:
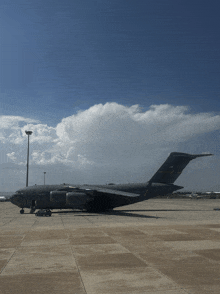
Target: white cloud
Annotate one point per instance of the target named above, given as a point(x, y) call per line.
point(107, 139)
point(11, 128)
point(113, 133)
point(12, 156)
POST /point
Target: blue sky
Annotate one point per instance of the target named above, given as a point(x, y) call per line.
point(61, 57)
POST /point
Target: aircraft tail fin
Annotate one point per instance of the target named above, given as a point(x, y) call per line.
point(173, 167)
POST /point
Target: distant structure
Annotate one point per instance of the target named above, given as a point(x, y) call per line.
point(193, 195)
point(5, 196)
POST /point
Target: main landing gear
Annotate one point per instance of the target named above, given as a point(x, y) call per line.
point(22, 211)
point(32, 207)
point(32, 210)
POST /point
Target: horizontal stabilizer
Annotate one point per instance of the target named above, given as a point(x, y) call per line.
point(173, 167)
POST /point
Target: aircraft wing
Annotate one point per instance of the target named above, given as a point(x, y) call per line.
point(112, 192)
point(103, 198)
point(109, 198)
point(94, 191)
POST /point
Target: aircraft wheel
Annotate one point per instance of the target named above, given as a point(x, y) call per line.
point(22, 211)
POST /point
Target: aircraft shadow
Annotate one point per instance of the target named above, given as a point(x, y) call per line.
point(129, 214)
point(165, 210)
point(113, 212)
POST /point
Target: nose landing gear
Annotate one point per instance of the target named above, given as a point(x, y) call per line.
point(32, 206)
point(22, 211)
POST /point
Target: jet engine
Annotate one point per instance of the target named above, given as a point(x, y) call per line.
point(58, 196)
point(76, 198)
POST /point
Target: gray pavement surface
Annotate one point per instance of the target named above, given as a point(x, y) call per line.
point(169, 246)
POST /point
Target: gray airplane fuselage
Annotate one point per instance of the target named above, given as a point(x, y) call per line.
point(40, 196)
point(104, 197)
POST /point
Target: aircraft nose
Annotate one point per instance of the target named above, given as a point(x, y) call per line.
point(14, 198)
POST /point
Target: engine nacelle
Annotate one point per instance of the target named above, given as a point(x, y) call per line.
point(76, 198)
point(58, 196)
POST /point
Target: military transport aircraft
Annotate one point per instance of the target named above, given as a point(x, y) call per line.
point(99, 198)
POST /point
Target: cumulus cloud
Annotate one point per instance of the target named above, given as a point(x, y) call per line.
point(113, 137)
point(10, 128)
point(12, 156)
point(114, 133)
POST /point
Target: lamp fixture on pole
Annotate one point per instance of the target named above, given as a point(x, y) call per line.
point(44, 178)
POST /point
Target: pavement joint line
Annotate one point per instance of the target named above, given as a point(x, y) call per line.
point(71, 248)
point(16, 249)
point(106, 224)
point(11, 219)
point(8, 261)
point(151, 265)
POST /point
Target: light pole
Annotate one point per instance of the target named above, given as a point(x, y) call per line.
point(27, 133)
point(44, 178)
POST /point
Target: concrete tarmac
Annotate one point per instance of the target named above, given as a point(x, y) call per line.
point(161, 246)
